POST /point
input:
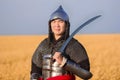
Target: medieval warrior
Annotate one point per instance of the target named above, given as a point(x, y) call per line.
point(48, 63)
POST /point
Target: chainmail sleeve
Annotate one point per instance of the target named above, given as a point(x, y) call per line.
point(36, 65)
point(78, 61)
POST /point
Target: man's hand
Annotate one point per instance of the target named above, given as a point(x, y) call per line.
point(58, 57)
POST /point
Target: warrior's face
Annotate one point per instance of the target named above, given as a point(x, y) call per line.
point(58, 27)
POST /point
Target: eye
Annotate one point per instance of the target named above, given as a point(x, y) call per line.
point(53, 21)
point(61, 21)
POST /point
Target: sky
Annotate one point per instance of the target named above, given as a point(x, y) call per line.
point(30, 17)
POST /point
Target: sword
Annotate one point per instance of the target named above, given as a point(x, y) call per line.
point(82, 72)
point(78, 29)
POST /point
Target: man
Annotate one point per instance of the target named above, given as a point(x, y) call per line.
point(48, 63)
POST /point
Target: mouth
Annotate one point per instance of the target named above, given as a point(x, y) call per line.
point(57, 29)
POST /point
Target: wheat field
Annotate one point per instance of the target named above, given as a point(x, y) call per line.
point(103, 51)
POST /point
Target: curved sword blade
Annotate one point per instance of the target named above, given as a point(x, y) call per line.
point(79, 28)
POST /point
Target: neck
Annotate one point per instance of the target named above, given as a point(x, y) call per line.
point(57, 37)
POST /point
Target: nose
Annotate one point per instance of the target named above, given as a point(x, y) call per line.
point(57, 24)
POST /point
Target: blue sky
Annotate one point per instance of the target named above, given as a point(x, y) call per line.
point(31, 16)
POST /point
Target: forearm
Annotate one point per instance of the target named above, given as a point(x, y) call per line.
point(77, 69)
